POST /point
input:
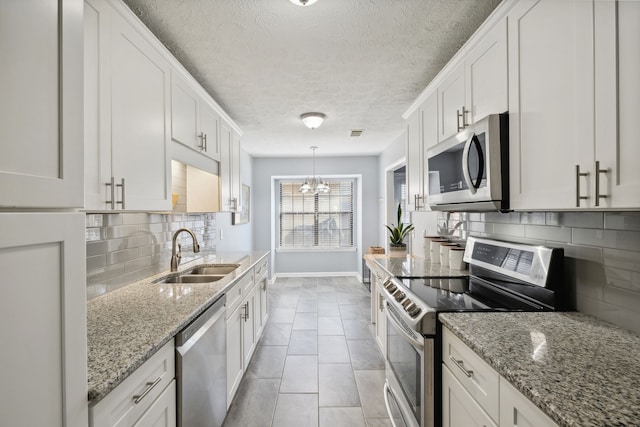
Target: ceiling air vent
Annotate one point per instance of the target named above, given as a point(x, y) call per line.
point(356, 132)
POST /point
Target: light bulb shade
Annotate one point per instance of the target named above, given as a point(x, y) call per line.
point(306, 187)
point(303, 2)
point(312, 120)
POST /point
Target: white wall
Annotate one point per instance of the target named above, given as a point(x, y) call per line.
point(313, 262)
point(394, 155)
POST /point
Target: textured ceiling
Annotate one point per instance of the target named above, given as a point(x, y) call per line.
point(360, 62)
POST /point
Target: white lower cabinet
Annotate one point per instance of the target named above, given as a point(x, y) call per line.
point(146, 398)
point(474, 394)
point(246, 317)
point(458, 407)
point(162, 412)
point(518, 411)
point(378, 314)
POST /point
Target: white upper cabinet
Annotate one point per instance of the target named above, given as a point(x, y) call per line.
point(414, 174)
point(41, 108)
point(550, 100)
point(451, 103)
point(126, 105)
point(230, 178)
point(477, 85)
point(486, 75)
point(573, 98)
point(193, 122)
point(617, 67)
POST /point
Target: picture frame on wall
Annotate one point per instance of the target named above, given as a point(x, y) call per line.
point(242, 216)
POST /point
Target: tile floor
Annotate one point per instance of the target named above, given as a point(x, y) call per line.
point(317, 363)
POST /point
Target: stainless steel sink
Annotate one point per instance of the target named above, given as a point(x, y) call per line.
point(192, 278)
point(215, 269)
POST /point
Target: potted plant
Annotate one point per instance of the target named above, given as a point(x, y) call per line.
point(397, 233)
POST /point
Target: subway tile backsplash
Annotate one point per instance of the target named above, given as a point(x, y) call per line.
point(123, 248)
point(602, 251)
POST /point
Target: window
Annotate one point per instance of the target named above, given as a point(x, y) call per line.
point(323, 221)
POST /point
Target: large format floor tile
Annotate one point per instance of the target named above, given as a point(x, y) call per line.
point(317, 363)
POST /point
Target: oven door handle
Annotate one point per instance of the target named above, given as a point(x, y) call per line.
point(417, 344)
point(387, 392)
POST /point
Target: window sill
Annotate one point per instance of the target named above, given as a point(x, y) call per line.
point(352, 249)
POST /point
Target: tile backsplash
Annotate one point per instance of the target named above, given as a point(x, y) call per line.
point(602, 251)
point(123, 248)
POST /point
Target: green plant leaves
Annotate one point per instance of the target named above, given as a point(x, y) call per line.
point(399, 232)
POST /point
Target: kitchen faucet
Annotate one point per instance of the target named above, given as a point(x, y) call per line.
point(176, 255)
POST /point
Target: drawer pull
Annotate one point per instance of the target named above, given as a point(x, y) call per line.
point(459, 364)
point(150, 385)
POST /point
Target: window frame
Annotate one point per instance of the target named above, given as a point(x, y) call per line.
point(355, 203)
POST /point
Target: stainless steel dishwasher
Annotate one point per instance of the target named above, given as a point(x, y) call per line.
point(201, 369)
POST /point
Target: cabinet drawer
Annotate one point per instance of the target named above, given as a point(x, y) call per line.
point(247, 282)
point(234, 297)
point(478, 378)
point(260, 268)
point(144, 385)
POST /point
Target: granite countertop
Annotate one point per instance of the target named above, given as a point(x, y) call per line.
point(127, 326)
point(414, 268)
point(579, 370)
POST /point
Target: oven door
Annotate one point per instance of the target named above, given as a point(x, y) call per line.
point(404, 387)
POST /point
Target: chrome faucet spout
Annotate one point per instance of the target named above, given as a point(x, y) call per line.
point(176, 249)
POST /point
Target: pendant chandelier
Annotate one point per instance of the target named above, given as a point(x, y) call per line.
point(314, 185)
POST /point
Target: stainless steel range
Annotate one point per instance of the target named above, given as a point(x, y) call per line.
point(503, 277)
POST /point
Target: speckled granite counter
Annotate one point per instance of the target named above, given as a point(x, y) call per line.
point(127, 326)
point(579, 370)
point(413, 267)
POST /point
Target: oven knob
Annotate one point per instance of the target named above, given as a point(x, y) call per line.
point(413, 311)
point(391, 287)
point(399, 295)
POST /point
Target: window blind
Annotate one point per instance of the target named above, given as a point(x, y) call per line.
point(317, 220)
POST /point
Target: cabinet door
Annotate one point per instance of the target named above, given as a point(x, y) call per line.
point(97, 104)
point(450, 103)
point(140, 80)
point(236, 172)
point(381, 323)
point(414, 162)
point(43, 312)
point(225, 168)
point(210, 128)
point(248, 328)
point(162, 412)
point(550, 101)
point(618, 92)
point(458, 407)
point(41, 109)
point(234, 352)
point(518, 411)
point(184, 114)
point(262, 311)
point(429, 121)
point(486, 73)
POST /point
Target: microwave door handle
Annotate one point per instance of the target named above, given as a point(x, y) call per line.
point(466, 170)
point(465, 164)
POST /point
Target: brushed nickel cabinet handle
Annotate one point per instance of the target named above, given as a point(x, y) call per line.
point(111, 184)
point(150, 385)
point(598, 172)
point(381, 304)
point(203, 144)
point(121, 185)
point(578, 196)
point(464, 117)
point(458, 117)
point(459, 364)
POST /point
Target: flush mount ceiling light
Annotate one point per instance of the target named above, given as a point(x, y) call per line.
point(312, 120)
point(303, 2)
point(314, 185)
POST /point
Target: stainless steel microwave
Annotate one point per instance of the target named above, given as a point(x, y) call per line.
point(470, 171)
